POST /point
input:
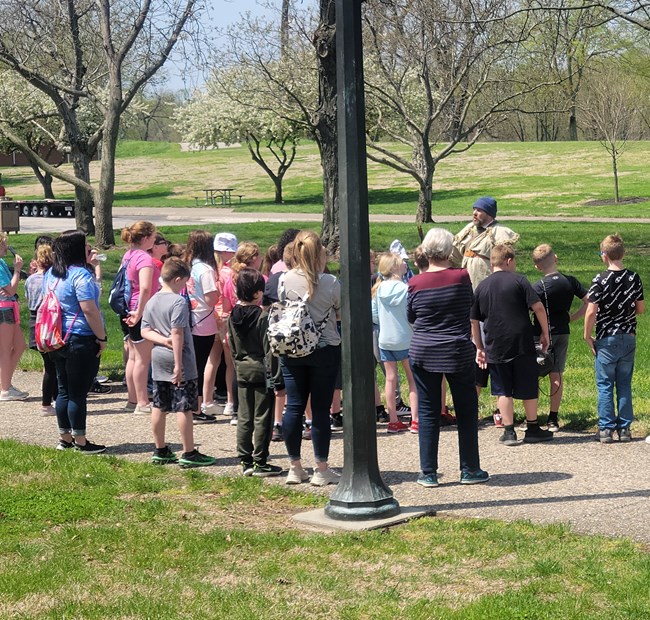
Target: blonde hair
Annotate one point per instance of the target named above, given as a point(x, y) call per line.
point(307, 256)
point(389, 266)
point(246, 253)
point(44, 257)
point(137, 232)
point(3, 236)
point(500, 254)
point(612, 245)
point(542, 254)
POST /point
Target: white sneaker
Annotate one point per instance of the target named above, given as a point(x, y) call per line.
point(323, 478)
point(229, 409)
point(142, 409)
point(47, 411)
point(647, 439)
point(13, 394)
point(297, 475)
point(101, 378)
point(210, 408)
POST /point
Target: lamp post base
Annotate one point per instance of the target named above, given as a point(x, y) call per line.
point(362, 511)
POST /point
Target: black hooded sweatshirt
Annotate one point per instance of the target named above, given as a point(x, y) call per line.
point(249, 344)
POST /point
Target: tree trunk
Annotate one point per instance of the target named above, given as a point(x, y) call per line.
point(325, 123)
point(277, 181)
point(44, 178)
point(424, 215)
point(615, 170)
point(425, 166)
point(105, 235)
point(84, 200)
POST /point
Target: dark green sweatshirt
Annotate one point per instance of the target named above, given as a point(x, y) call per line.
point(249, 344)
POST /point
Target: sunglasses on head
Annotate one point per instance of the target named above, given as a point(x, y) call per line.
point(161, 242)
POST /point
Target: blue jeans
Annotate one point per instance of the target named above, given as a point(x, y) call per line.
point(614, 367)
point(76, 367)
point(313, 375)
point(463, 393)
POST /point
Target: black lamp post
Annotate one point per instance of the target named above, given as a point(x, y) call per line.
point(361, 494)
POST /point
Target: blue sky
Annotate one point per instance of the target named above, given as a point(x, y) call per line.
point(220, 14)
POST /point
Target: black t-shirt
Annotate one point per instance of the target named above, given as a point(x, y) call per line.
point(502, 302)
point(560, 291)
point(616, 293)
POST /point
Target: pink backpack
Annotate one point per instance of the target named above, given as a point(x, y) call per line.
point(49, 322)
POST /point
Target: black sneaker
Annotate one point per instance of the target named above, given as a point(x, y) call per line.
point(264, 470)
point(277, 433)
point(90, 448)
point(195, 459)
point(203, 418)
point(64, 445)
point(163, 456)
point(247, 468)
point(382, 415)
point(509, 438)
point(402, 409)
point(553, 424)
point(535, 434)
point(336, 421)
point(98, 388)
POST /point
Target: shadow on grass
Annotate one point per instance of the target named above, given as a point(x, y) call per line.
point(143, 194)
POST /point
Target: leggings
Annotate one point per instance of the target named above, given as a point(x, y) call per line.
point(49, 386)
point(202, 348)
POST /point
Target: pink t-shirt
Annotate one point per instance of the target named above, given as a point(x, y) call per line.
point(139, 259)
point(229, 295)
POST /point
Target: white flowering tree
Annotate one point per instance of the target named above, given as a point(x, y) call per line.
point(222, 114)
point(90, 58)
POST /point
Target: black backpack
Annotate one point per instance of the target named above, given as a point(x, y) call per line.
point(119, 296)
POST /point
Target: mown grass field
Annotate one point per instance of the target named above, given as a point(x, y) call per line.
point(89, 538)
point(527, 178)
point(97, 538)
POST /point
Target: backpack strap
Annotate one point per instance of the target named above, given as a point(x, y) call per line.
point(67, 334)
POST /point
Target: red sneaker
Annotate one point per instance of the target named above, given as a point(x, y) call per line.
point(397, 427)
point(414, 427)
point(446, 418)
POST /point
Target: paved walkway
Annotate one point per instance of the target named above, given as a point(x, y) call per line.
point(191, 216)
point(598, 489)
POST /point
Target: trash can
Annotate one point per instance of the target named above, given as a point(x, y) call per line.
point(9, 216)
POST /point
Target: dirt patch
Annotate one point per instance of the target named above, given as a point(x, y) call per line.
point(611, 203)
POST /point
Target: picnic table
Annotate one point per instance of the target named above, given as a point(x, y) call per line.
point(218, 195)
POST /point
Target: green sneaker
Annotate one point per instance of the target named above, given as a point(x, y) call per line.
point(195, 459)
point(163, 456)
point(264, 470)
point(474, 477)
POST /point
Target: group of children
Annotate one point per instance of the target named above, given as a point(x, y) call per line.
point(610, 305)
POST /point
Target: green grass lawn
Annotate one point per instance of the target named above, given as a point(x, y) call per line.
point(96, 538)
point(575, 243)
point(549, 178)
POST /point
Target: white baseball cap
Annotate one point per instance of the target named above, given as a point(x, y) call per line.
point(225, 242)
point(396, 247)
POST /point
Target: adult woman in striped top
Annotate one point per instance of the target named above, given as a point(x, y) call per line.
point(438, 306)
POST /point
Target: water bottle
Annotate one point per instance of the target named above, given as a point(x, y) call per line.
point(101, 257)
